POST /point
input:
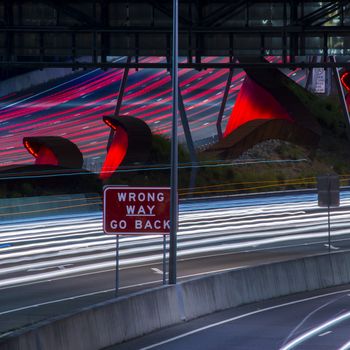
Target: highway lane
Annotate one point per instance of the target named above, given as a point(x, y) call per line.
point(314, 320)
point(45, 263)
point(29, 303)
point(45, 249)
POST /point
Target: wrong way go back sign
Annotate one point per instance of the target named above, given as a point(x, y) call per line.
point(136, 210)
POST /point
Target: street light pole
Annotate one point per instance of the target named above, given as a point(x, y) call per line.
point(174, 149)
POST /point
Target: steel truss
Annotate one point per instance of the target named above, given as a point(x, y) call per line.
point(85, 34)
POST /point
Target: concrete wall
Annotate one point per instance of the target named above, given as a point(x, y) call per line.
point(24, 208)
point(128, 317)
point(124, 319)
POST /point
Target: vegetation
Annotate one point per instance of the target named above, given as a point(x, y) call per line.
point(279, 165)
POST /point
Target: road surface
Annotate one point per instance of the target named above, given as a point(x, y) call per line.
point(48, 268)
point(305, 321)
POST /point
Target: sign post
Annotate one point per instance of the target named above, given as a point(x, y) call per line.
point(116, 265)
point(174, 146)
point(136, 211)
point(164, 260)
point(328, 196)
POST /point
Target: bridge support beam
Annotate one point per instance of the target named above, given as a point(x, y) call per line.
point(223, 103)
point(120, 98)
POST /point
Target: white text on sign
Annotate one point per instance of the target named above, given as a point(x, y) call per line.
point(136, 210)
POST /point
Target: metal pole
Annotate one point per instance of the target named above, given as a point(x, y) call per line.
point(164, 259)
point(309, 74)
point(329, 214)
point(223, 103)
point(119, 99)
point(117, 265)
point(190, 145)
point(174, 151)
point(329, 229)
point(122, 87)
point(187, 130)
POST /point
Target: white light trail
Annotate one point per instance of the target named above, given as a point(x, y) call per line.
point(322, 328)
point(48, 244)
point(345, 346)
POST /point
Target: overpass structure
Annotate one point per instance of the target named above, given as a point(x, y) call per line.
point(85, 34)
point(125, 318)
point(51, 33)
point(241, 34)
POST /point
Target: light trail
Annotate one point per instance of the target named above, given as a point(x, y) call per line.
point(345, 346)
point(315, 331)
point(247, 315)
point(235, 226)
point(61, 109)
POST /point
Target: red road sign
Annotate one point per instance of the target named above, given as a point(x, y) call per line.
point(136, 210)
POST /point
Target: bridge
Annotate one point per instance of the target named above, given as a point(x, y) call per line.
point(242, 258)
point(86, 33)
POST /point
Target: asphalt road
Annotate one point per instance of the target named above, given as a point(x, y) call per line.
point(50, 270)
point(307, 321)
point(29, 303)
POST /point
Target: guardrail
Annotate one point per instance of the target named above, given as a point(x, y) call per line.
point(22, 208)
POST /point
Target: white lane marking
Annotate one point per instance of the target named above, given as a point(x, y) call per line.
point(107, 290)
point(314, 331)
point(60, 267)
point(127, 262)
point(240, 317)
point(54, 262)
point(325, 333)
point(291, 334)
point(137, 266)
point(345, 346)
point(80, 269)
point(21, 280)
point(331, 246)
point(53, 302)
point(157, 271)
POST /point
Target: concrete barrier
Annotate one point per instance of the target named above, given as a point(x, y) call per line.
point(25, 208)
point(104, 324)
point(131, 316)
